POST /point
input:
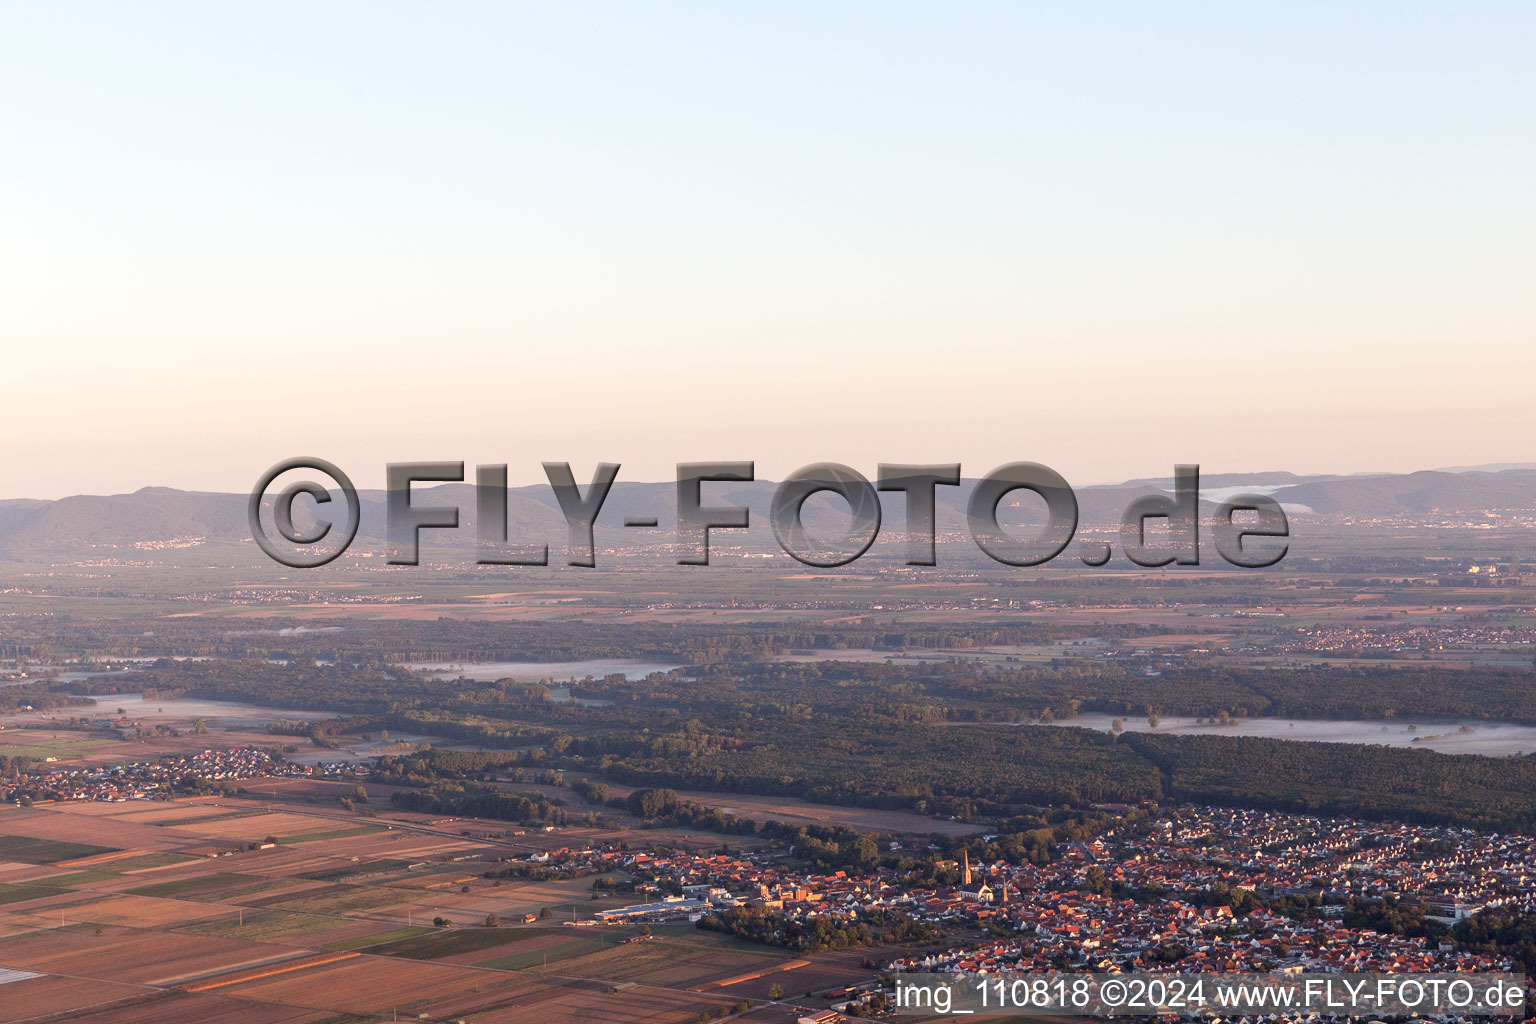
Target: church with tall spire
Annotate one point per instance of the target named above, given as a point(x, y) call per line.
point(968, 890)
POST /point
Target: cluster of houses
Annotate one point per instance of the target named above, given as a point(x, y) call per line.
point(1149, 895)
point(1052, 919)
point(1402, 637)
point(1454, 872)
point(341, 770)
point(145, 780)
point(1089, 932)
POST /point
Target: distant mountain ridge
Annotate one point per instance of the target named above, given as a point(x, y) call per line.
point(156, 518)
point(1491, 467)
point(1426, 491)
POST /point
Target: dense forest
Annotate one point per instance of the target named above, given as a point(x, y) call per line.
point(448, 639)
point(941, 735)
point(1496, 794)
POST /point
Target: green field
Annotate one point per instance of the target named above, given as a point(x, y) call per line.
point(200, 883)
point(262, 887)
point(262, 925)
point(149, 860)
point(365, 941)
point(534, 958)
point(19, 893)
point(28, 850)
point(204, 818)
point(449, 942)
point(384, 866)
point(343, 901)
point(336, 833)
point(62, 748)
point(80, 878)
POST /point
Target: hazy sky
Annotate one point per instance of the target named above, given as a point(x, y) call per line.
point(1105, 237)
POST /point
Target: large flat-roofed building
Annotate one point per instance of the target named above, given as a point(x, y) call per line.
point(666, 907)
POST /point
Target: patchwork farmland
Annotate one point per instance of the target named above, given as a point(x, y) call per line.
point(287, 910)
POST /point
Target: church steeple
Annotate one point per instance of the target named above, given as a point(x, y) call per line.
point(966, 876)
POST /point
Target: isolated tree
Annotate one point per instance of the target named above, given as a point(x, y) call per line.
point(865, 853)
point(492, 921)
point(200, 726)
point(1118, 725)
point(1154, 719)
point(652, 803)
point(545, 913)
point(775, 991)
